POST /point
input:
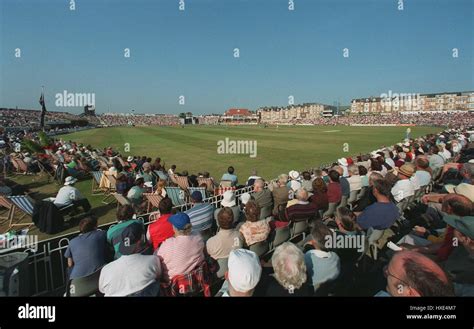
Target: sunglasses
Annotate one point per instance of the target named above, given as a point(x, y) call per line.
point(387, 273)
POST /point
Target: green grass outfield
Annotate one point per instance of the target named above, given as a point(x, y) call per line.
point(195, 149)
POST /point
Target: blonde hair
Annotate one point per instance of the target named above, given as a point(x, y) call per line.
point(289, 266)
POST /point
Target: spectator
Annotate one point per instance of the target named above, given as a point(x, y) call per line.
point(355, 181)
point(68, 194)
point(436, 160)
point(252, 178)
point(334, 188)
point(364, 179)
point(254, 230)
point(86, 253)
point(280, 193)
point(383, 213)
point(289, 278)
point(243, 275)
point(261, 195)
point(227, 238)
point(201, 214)
point(423, 171)
point(135, 194)
point(322, 265)
point(161, 229)
point(182, 253)
point(411, 274)
point(230, 176)
point(302, 209)
point(228, 200)
point(172, 170)
point(319, 197)
point(307, 182)
point(124, 219)
point(404, 187)
point(132, 274)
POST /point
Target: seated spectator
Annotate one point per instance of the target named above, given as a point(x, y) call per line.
point(122, 186)
point(368, 198)
point(364, 179)
point(423, 171)
point(252, 178)
point(147, 175)
point(243, 275)
point(319, 197)
point(227, 238)
point(132, 274)
point(460, 263)
point(307, 182)
point(280, 192)
point(86, 253)
point(201, 214)
point(172, 170)
point(334, 188)
point(410, 274)
point(302, 209)
point(289, 278)
point(254, 230)
point(124, 219)
point(261, 195)
point(135, 194)
point(436, 160)
point(355, 181)
point(383, 213)
point(182, 253)
point(161, 229)
point(404, 187)
point(228, 200)
point(69, 194)
point(230, 176)
point(343, 164)
point(345, 186)
point(161, 188)
point(322, 265)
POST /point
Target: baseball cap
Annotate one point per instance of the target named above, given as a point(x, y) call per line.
point(131, 234)
point(465, 224)
point(244, 270)
point(179, 220)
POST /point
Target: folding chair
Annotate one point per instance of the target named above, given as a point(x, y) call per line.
point(199, 189)
point(153, 200)
point(266, 212)
point(225, 183)
point(121, 200)
point(20, 202)
point(43, 170)
point(352, 197)
point(299, 228)
point(282, 234)
point(96, 177)
point(85, 286)
point(182, 182)
point(176, 195)
point(112, 182)
point(208, 182)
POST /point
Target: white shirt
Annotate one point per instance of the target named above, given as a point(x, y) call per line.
point(423, 177)
point(355, 182)
point(402, 189)
point(67, 194)
point(390, 162)
point(129, 274)
point(446, 154)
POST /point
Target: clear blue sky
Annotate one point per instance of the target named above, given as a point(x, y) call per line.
point(190, 53)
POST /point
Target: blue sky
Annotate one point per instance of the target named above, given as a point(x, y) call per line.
point(190, 53)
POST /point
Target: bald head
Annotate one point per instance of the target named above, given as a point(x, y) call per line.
point(302, 194)
point(258, 185)
point(412, 274)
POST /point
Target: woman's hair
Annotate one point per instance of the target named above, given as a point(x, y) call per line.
point(319, 185)
point(289, 266)
point(87, 224)
point(252, 211)
point(225, 218)
point(375, 165)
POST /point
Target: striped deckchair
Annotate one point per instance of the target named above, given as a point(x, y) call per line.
point(199, 189)
point(177, 195)
point(162, 175)
point(182, 182)
point(20, 166)
point(19, 202)
point(207, 181)
point(153, 200)
point(111, 187)
point(174, 179)
point(96, 177)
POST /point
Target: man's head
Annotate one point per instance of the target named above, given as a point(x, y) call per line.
point(181, 223)
point(467, 171)
point(87, 224)
point(422, 163)
point(381, 189)
point(457, 204)
point(289, 266)
point(230, 170)
point(225, 218)
point(165, 206)
point(196, 197)
point(353, 170)
point(244, 271)
point(373, 177)
point(412, 274)
point(334, 176)
point(146, 167)
point(319, 185)
point(258, 185)
point(319, 235)
point(406, 171)
point(283, 179)
point(301, 194)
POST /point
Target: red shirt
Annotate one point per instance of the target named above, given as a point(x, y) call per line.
point(334, 192)
point(160, 230)
point(447, 247)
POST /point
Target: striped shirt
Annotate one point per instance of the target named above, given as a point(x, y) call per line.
point(180, 255)
point(202, 216)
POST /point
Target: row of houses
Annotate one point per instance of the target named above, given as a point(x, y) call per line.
point(393, 102)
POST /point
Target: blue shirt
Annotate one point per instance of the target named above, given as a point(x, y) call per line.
point(345, 186)
point(378, 216)
point(322, 266)
point(202, 216)
point(88, 253)
point(231, 177)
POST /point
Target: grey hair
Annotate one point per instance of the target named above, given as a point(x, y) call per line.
point(302, 194)
point(289, 266)
point(353, 169)
point(283, 178)
point(259, 182)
